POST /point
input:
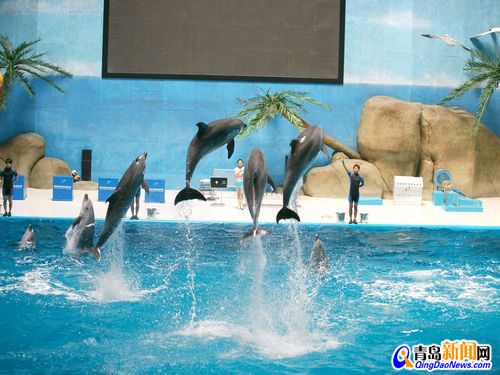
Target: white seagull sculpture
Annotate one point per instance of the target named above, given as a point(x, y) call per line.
point(447, 39)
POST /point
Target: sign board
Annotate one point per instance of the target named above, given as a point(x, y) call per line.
point(62, 188)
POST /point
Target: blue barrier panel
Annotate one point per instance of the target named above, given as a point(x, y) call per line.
point(156, 191)
point(19, 193)
point(371, 201)
point(62, 188)
point(437, 197)
point(106, 187)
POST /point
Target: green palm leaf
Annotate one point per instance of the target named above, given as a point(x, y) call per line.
point(22, 64)
point(485, 71)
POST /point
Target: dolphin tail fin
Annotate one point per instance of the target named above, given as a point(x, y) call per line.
point(189, 193)
point(96, 251)
point(253, 233)
point(286, 213)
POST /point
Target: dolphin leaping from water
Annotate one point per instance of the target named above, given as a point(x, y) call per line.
point(255, 179)
point(208, 138)
point(121, 199)
point(304, 150)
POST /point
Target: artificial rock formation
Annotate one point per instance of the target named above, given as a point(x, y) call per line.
point(332, 180)
point(398, 138)
point(389, 136)
point(412, 139)
point(44, 171)
point(24, 150)
point(85, 185)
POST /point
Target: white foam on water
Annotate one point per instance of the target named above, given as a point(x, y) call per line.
point(266, 343)
point(40, 282)
point(423, 274)
point(455, 288)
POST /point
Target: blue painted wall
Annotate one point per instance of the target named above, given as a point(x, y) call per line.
point(118, 119)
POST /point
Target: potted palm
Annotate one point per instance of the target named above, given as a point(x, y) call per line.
point(260, 109)
point(21, 62)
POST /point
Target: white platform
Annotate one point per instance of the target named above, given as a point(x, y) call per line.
point(312, 210)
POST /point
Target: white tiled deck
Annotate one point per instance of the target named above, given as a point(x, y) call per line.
point(312, 210)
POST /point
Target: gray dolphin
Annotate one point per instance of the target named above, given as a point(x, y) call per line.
point(255, 179)
point(82, 234)
point(318, 259)
point(304, 150)
point(28, 241)
point(209, 138)
point(121, 199)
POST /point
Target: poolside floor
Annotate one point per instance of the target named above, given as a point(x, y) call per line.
point(39, 203)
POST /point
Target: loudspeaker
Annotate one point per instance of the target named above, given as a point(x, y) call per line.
point(86, 165)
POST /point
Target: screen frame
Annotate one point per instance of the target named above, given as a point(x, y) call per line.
point(106, 74)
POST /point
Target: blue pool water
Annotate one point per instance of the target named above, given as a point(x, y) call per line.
point(188, 298)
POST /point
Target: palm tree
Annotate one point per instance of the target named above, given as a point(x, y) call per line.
point(485, 71)
point(260, 109)
point(19, 63)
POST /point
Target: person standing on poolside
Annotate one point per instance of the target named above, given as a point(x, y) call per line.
point(356, 181)
point(9, 175)
point(134, 207)
point(238, 184)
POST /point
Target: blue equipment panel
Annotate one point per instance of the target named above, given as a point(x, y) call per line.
point(106, 187)
point(156, 191)
point(62, 188)
point(19, 193)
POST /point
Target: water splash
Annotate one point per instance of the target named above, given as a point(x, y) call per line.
point(116, 285)
point(190, 277)
point(185, 209)
point(278, 321)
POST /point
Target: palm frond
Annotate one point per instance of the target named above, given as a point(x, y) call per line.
point(464, 87)
point(21, 60)
point(484, 99)
point(260, 109)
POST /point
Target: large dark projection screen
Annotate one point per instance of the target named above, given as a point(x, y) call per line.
point(275, 40)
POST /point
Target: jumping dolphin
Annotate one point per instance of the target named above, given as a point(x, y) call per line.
point(82, 229)
point(318, 259)
point(209, 138)
point(28, 241)
point(121, 199)
point(255, 179)
point(304, 150)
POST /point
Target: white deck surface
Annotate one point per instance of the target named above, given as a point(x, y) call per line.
point(312, 210)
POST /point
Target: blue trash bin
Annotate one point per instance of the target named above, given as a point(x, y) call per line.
point(156, 191)
point(62, 188)
point(106, 187)
point(19, 193)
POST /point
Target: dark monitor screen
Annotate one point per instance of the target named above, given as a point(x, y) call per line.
point(275, 40)
point(218, 182)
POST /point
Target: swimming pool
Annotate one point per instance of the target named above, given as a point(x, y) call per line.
point(178, 297)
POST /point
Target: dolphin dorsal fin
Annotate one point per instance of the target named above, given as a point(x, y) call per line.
point(116, 195)
point(202, 127)
point(293, 144)
point(230, 148)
